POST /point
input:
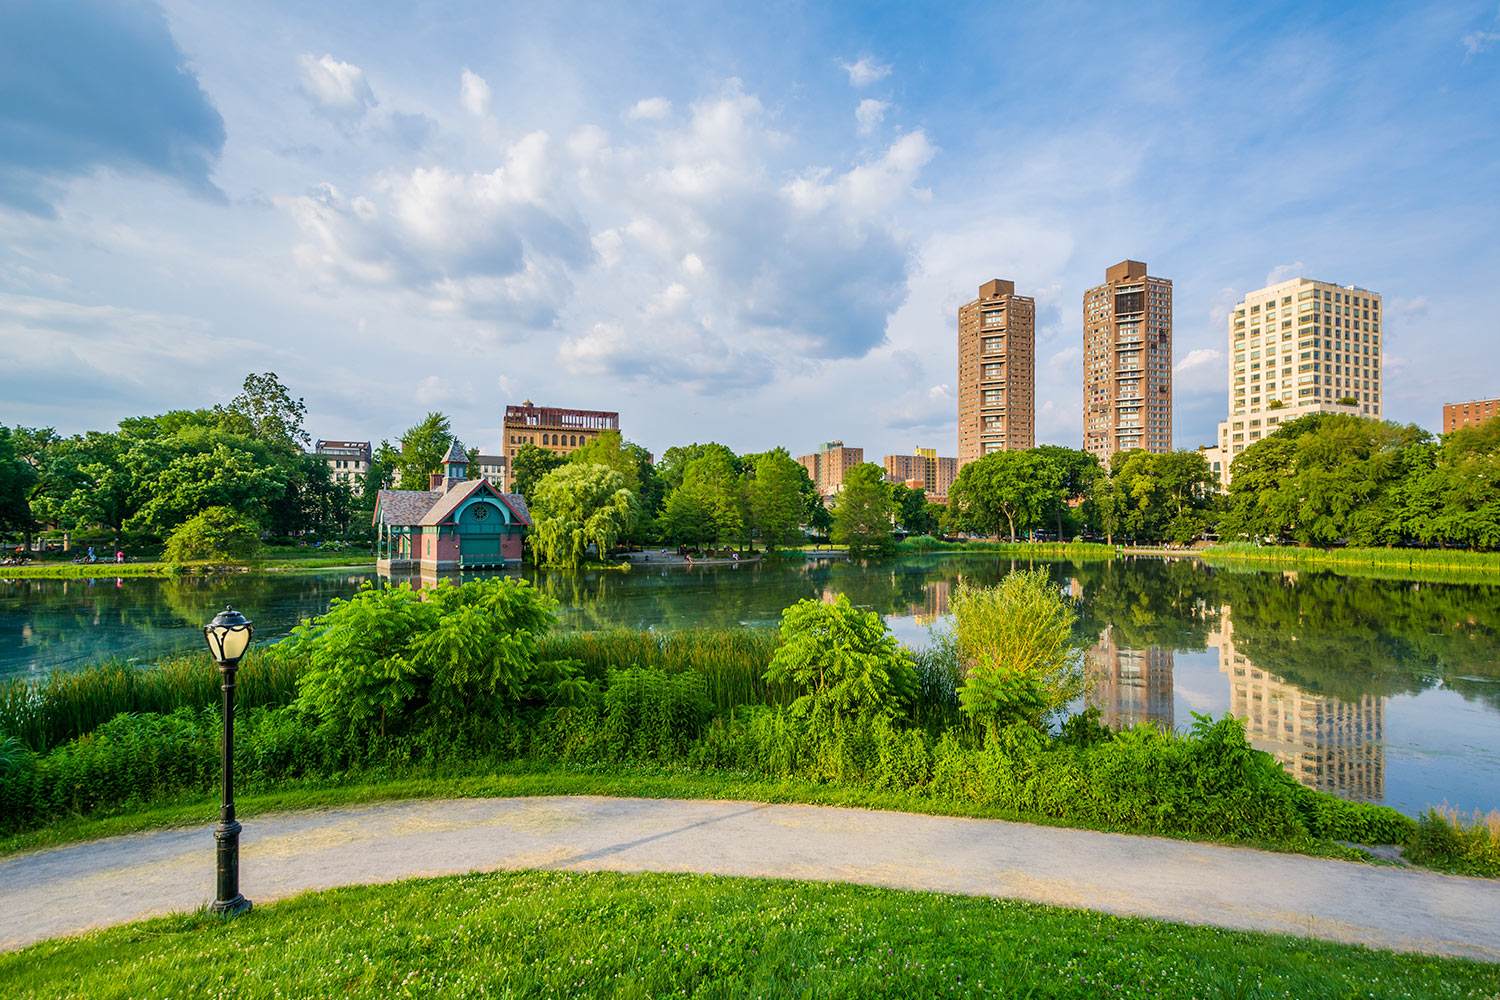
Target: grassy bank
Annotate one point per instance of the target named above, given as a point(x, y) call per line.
point(1078, 551)
point(555, 934)
point(84, 571)
point(1399, 561)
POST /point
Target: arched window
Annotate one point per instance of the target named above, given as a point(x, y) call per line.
point(573, 439)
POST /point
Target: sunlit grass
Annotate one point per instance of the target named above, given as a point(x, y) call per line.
point(564, 934)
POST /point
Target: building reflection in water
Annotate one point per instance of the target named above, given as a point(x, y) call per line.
point(934, 604)
point(1325, 743)
point(1129, 686)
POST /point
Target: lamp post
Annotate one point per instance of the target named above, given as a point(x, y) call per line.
point(228, 636)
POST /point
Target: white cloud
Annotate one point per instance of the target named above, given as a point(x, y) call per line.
point(336, 88)
point(1283, 272)
point(1067, 358)
point(474, 94)
point(693, 264)
point(866, 71)
point(650, 109)
point(1417, 306)
point(1478, 41)
point(870, 114)
point(1202, 370)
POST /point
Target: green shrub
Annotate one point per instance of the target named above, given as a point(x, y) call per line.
point(218, 534)
point(842, 659)
point(1015, 644)
point(393, 654)
point(1445, 839)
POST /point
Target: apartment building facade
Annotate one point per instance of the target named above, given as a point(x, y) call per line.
point(348, 461)
point(554, 428)
point(1456, 415)
point(924, 469)
point(996, 372)
point(1298, 347)
point(827, 465)
point(1127, 362)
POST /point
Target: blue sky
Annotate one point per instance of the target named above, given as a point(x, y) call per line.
point(749, 225)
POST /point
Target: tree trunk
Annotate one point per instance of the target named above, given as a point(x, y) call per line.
point(1011, 519)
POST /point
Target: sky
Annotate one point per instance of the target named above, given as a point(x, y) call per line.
point(745, 223)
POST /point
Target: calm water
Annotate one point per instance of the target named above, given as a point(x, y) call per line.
point(1378, 690)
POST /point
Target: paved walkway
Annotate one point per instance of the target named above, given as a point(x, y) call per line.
point(70, 889)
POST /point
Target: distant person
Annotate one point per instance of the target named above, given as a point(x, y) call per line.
point(119, 556)
point(91, 553)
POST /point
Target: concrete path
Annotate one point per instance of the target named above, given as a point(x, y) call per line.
point(70, 889)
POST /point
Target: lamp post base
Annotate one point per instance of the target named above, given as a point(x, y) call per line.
point(230, 907)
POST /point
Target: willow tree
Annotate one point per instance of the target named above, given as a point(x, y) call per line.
point(581, 505)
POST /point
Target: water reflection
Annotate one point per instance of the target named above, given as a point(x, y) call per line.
point(1323, 741)
point(1130, 686)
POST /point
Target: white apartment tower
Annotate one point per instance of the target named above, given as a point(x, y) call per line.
point(1295, 348)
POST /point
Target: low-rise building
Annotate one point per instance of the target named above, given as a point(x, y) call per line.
point(457, 524)
point(1456, 415)
point(348, 461)
point(494, 469)
point(923, 469)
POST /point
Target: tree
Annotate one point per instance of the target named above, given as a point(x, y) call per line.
point(529, 466)
point(863, 511)
point(193, 481)
point(422, 451)
point(776, 498)
point(911, 509)
point(16, 479)
point(270, 413)
point(633, 463)
point(1074, 472)
point(1016, 651)
point(217, 534)
point(676, 459)
point(714, 499)
point(841, 659)
point(580, 505)
point(1006, 489)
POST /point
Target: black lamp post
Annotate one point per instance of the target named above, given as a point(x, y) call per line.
point(228, 636)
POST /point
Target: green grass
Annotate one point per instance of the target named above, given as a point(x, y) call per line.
point(569, 934)
point(532, 778)
point(1076, 551)
point(68, 571)
point(1392, 559)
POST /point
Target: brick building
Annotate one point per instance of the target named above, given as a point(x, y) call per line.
point(923, 469)
point(554, 428)
point(1127, 362)
point(827, 465)
point(1456, 415)
point(996, 372)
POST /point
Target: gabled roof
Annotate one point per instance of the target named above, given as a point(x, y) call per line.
point(450, 501)
point(456, 454)
point(404, 506)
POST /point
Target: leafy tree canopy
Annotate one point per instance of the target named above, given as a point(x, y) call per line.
point(863, 512)
point(579, 505)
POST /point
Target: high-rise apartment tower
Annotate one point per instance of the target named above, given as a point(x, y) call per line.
point(1299, 347)
point(996, 372)
point(1127, 362)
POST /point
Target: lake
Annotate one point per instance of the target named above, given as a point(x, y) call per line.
point(1378, 690)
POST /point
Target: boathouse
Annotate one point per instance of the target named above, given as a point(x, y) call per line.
point(458, 524)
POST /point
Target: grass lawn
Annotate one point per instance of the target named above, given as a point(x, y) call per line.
point(562, 934)
point(68, 571)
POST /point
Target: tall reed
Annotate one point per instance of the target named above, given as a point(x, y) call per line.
point(733, 662)
point(69, 704)
point(1456, 559)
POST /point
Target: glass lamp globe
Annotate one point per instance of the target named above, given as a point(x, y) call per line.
point(228, 636)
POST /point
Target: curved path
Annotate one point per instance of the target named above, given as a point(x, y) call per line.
point(70, 889)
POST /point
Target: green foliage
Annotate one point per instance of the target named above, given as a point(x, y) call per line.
point(389, 654)
point(422, 449)
point(270, 413)
point(17, 478)
point(1006, 490)
point(842, 659)
point(1015, 643)
point(581, 505)
point(708, 505)
point(863, 512)
point(633, 463)
point(530, 466)
point(776, 500)
point(1444, 839)
point(217, 534)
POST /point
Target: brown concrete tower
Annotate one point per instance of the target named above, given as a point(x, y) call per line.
point(1127, 362)
point(996, 372)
